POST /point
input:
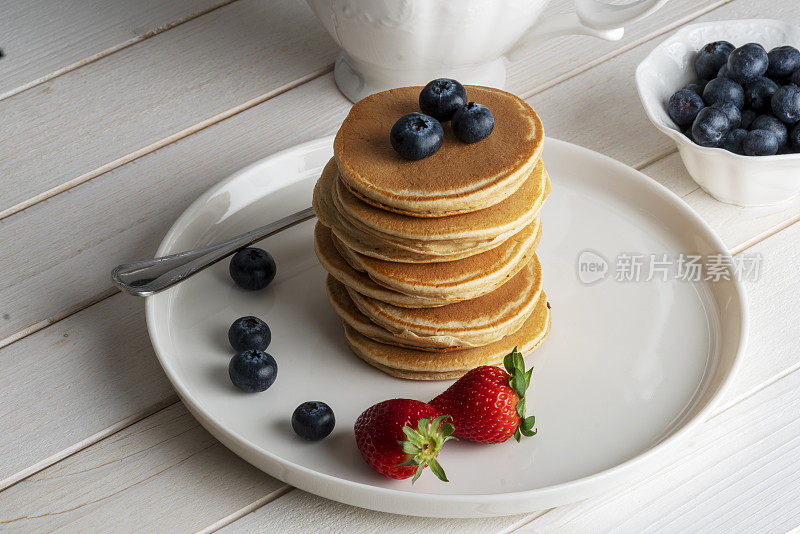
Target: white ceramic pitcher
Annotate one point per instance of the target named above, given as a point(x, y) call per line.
point(393, 43)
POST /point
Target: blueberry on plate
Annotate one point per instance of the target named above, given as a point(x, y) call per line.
point(734, 140)
point(786, 104)
point(416, 136)
point(313, 420)
point(442, 98)
point(710, 58)
point(710, 127)
point(695, 88)
point(684, 106)
point(770, 123)
point(252, 268)
point(758, 94)
point(747, 118)
point(723, 71)
point(253, 370)
point(795, 77)
point(473, 122)
point(249, 333)
point(794, 137)
point(747, 63)
point(760, 143)
point(723, 90)
point(783, 61)
point(732, 112)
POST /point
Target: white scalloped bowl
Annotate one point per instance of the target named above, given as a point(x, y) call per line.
point(728, 177)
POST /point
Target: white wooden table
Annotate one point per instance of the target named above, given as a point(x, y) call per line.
point(115, 115)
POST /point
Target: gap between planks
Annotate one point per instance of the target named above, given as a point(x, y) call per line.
point(107, 52)
point(264, 97)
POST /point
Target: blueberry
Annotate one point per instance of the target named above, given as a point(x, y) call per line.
point(442, 98)
point(786, 104)
point(473, 122)
point(684, 106)
point(313, 420)
point(747, 63)
point(795, 77)
point(252, 370)
point(723, 90)
point(760, 143)
point(734, 140)
point(252, 268)
point(695, 88)
point(747, 118)
point(732, 112)
point(723, 71)
point(249, 333)
point(794, 137)
point(416, 136)
point(783, 61)
point(710, 58)
point(770, 123)
point(758, 94)
point(710, 127)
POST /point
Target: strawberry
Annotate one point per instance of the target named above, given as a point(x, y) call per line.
point(488, 404)
point(399, 437)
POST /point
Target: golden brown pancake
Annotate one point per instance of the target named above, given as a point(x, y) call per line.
point(459, 178)
point(406, 362)
point(469, 323)
point(344, 308)
point(422, 234)
point(450, 281)
point(332, 261)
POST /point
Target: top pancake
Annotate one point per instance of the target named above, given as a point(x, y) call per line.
point(459, 178)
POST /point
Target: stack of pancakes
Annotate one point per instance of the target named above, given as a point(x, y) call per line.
point(432, 263)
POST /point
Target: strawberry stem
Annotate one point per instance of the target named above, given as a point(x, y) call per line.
point(424, 443)
point(519, 381)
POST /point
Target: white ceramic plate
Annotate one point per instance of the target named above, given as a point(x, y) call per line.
point(627, 371)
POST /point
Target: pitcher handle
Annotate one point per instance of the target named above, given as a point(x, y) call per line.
point(591, 17)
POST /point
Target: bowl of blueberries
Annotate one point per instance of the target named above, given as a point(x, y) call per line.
point(728, 94)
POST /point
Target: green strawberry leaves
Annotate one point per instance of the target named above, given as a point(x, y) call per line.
point(424, 443)
point(519, 381)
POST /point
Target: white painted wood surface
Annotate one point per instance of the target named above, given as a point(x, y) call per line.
point(42, 39)
point(154, 111)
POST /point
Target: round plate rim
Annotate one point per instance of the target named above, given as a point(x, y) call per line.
point(364, 495)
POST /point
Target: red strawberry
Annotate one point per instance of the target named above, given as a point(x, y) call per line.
point(488, 404)
point(399, 437)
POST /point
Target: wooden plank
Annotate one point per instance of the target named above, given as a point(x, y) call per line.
point(738, 227)
point(159, 475)
point(772, 353)
point(207, 70)
point(75, 382)
point(739, 473)
point(299, 512)
point(42, 39)
point(153, 93)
